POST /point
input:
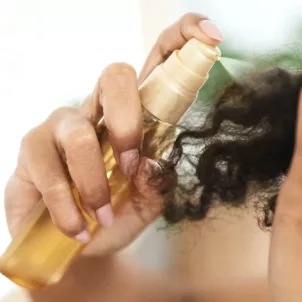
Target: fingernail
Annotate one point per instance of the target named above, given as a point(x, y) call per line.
point(83, 237)
point(129, 161)
point(105, 215)
point(210, 30)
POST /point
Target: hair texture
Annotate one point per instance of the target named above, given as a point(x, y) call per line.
point(241, 152)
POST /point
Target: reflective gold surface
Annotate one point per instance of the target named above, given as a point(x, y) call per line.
point(40, 254)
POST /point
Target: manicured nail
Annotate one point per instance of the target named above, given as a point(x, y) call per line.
point(105, 215)
point(210, 30)
point(83, 237)
point(129, 161)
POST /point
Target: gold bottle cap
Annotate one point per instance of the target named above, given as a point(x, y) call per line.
point(172, 87)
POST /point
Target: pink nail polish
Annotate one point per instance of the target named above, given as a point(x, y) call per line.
point(129, 161)
point(83, 237)
point(105, 215)
point(210, 30)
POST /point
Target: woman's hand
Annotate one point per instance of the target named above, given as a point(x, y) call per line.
point(285, 265)
point(69, 133)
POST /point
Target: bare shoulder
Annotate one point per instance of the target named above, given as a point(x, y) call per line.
point(226, 256)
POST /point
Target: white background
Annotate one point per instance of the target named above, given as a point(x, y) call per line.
point(52, 51)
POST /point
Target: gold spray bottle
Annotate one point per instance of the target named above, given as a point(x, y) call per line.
point(40, 254)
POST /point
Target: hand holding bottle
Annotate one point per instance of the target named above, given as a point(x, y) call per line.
point(67, 139)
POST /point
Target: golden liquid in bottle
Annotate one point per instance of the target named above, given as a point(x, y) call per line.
point(40, 254)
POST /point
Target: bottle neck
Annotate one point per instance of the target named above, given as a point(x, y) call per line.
point(171, 88)
point(164, 98)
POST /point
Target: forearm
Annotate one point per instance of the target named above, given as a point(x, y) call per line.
point(112, 279)
point(122, 280)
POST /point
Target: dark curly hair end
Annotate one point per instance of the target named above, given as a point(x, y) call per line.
point(243, 148)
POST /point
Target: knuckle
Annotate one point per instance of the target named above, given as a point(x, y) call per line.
point(82, 138)
point(119, 68)
point(9, 189)
point(56, 189)
point(161, 43)
point(71, 225)
point(62, 112)
point(26, 139)
point(80, 142)
point(31, 137)
point(117, 73)
point(96, 196)
point(69, 222)
point(76, 131)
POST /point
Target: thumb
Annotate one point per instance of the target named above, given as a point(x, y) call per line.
point(151, 188)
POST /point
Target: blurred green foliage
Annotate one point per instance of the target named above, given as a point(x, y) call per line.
point(287, 56)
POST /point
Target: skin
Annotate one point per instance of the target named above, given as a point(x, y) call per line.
point(102, 270)
point(69, 133)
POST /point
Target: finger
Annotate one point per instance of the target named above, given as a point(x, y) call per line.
point(20, 198)
point(151, 190)
point(191, 25)
point(286, 244)
point(91, 107)
point(77, 139)
point(122, 113)
point(48, 174)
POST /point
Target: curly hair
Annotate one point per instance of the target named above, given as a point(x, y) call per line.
point(242, 151)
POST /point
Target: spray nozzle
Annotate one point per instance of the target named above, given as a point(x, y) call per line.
point(199, 57)
point(172, 87)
